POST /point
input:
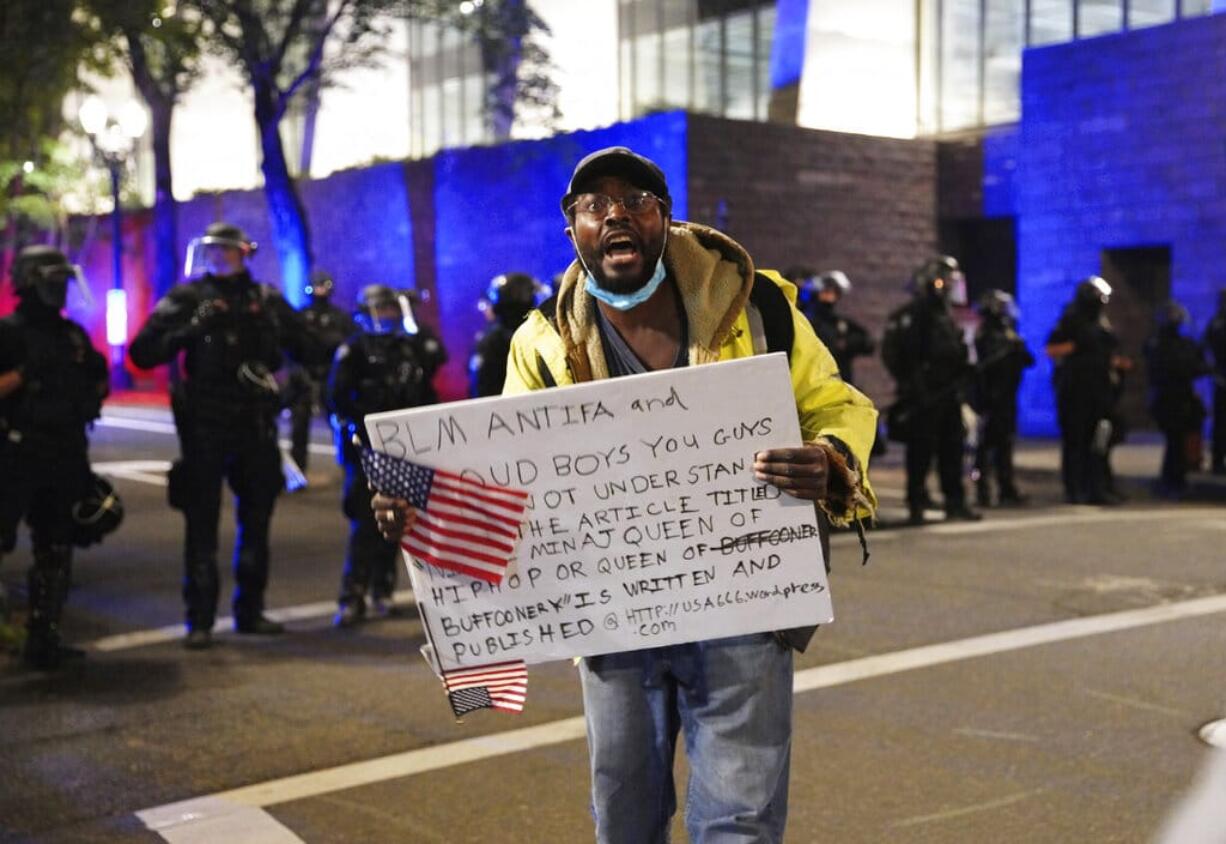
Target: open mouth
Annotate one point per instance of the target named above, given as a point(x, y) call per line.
point(621, 248)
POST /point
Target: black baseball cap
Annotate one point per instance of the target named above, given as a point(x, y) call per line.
point(618, 161)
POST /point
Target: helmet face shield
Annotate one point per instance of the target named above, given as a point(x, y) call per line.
point(217, 256)
point(1000, 305)
point(512, 294)
point(58, 286)
point(382, 310)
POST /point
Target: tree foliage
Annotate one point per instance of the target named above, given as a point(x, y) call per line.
point(509, 34)
point(43, 43)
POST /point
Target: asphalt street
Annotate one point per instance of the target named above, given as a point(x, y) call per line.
point(1037, 677)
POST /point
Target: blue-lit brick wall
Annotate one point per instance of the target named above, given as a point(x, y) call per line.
point(360, 224)
point(1122, 143)
point(1000, 155)
point(496, 210)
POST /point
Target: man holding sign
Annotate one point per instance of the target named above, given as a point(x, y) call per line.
point(649, 293)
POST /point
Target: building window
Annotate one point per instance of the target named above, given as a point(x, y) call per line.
point(710, 56)
point(972, 49)
point(447, 90)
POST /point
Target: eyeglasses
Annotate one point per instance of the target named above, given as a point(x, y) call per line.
point(598, 205)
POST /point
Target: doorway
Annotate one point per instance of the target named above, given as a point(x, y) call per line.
point(1140, 279)
point(986, 248)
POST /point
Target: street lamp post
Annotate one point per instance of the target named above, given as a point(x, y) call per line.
point(113, 136)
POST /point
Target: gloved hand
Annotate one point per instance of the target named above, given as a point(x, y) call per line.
point(207, 313)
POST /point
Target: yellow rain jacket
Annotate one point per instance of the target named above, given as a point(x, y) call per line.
point(715, 276)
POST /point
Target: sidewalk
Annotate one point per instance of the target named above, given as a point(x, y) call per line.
point(1136, 464)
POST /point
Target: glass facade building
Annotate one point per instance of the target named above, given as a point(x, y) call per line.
point(447, 90)
point(709, 56)
point(972, 56)
point(890, 67)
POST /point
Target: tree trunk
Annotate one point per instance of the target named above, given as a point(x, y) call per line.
point(501, 54)
point(285, 211)
point(165, 209)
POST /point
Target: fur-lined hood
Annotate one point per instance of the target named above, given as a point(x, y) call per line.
point(712, 271)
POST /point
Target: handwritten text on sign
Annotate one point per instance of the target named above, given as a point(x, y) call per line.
point(646, 526)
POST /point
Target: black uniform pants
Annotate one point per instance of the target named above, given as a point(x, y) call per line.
point(1219, 427)
point(1083, 468)
point(247, 457)
point(370, 565)
point(1174, 473)
point(995, 451)
point(936, 432)
point(304, 402)
point(41, 486)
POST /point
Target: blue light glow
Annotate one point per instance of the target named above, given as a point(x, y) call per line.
point(788, 46)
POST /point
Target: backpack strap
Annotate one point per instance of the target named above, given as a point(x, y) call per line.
point(770, 318)
point(549, 310)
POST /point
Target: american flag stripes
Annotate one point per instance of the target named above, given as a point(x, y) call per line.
point(462, 525)
point(502, 685)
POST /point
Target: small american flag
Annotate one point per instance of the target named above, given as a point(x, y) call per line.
point(502, 685)
point(462, 525)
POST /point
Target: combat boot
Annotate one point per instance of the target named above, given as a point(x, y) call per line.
point(48, 587)
point(983, 493)
point(350, 614)
point(1011, 496)
point(258, 625)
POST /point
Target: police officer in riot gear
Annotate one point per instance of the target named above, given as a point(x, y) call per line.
point(230, 332)
point(924, 351)
point(328, 326)
point(1174, 362)
point(1002, 357)
point(507, 302)
point(1086, 377)
point(380, 368)
point(1215, 345)
point(845, 338)
point(52, 382)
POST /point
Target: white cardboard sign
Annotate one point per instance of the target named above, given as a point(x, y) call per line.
point(647, 526)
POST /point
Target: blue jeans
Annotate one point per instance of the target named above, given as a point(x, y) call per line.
point(732, 698)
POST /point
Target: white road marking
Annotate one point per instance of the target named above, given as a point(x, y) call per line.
point(1143, 705)
point(173, 632)
point(143, 471)
point(824, 676)
point(155, 426)
point(1069, 514)
point(926, 656)
point(129, 423)
point(210, 819)
point(993, 734)
point(967, 810)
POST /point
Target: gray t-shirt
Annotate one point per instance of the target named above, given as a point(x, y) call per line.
point(621, 358)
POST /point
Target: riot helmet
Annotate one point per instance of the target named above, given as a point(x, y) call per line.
point(1171, 316)
point(223, 250)
point(831, 286)
point(382, 310)
point(320, 286)
point(1092, 294)
point(997, 305)
point(511, 296)
point(42, 276)
point(828, 287)
point(940, 278)
point(98, 513)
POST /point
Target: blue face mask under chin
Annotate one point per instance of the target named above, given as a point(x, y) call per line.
point(626, 301)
